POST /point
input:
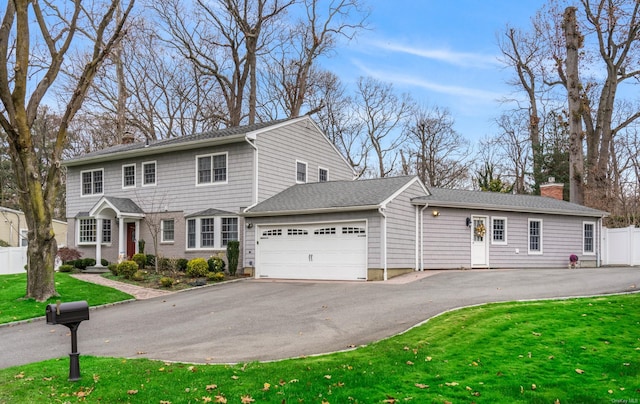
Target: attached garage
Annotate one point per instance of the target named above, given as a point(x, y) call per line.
point(338, 230)
point(324, 251)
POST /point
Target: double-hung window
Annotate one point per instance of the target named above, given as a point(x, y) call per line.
point(301, 172)
point(211, 232)
point(499, 230)
point(211, 169)
point(588, 238)
point(167, 231)
point(535, 236)
point(129, 176)
point(148, 173)
point(323, 175)
point(91, 182)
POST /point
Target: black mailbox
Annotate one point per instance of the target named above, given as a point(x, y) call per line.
point(67, 313)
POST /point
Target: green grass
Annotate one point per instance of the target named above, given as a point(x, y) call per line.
point(573, 351)
point(14, 307)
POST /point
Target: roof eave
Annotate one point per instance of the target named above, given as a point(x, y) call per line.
point(311, 211)
point(147, 151)
point(508, 208)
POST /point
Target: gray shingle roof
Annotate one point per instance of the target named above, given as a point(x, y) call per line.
point(183, 140)
point(505, 202)
point(211, 212)
point(331, 195)
point(124, 205)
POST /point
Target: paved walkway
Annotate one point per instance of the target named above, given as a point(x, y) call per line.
point(138, 292)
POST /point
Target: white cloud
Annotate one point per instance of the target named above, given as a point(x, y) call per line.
point(463, 59)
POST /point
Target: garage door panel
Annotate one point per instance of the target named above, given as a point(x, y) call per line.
point(313, 251)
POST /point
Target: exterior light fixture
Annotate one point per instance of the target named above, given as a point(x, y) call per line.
point(435, 213)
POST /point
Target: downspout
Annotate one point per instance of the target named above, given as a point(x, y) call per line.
point(599, 251)
point(422, 236)
point(255, 174)
point(417, 266)
point(383, 243)
point(255, 202)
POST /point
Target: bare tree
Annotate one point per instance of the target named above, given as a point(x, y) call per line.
point(32, 61)
point(513, 143)
point(223, 40)
point(382, 114)
point(435, 151)
point(316, 34)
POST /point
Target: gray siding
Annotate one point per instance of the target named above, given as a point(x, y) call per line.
point(373, 231)
point(447, 240)
point(401, 229)
point(279, 149)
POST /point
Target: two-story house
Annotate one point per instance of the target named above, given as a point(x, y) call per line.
point(286, 193)
point(189, 191)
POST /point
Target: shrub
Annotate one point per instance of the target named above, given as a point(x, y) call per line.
point(141, 244)
point(4, 244)
point(139, 259)
point(233, 254)
point(215, 276)
point(197, 268)
point(113, 268)
point(181, 264)
point(65, 268)
point(151, 260)
point(88, 262)
point(164, 264)
point(138, 275)
point(67, 254)
point(104, 262)
point(216, 264)
point(166, 282)
point(127, 269)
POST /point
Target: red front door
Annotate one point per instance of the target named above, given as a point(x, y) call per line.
point(131, 239)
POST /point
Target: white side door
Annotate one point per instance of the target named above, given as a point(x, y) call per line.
point(479, 242)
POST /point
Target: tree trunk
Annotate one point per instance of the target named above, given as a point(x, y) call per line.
point(576, 157)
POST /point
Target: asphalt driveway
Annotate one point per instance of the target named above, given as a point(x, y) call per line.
point(269, 320)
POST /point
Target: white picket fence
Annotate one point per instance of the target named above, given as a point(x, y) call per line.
point(621, 246)
point(12, 260)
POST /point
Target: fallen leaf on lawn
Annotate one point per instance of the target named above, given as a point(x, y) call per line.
point(211, 387)
point(452, 384)
point(96, 378)
point(165, 402)
point(47, 379)
point(409, 363)
point(579, 371)
point(422, 386)
point(406, 348)
point(428, 359)
point(557, 401)
point(533, 387)
point(266, 387)
point(234, 377)
point(610, 391)
point(206, 399)
point(626, 364)
point(474, 363)
point(294, 381)
point(551, 357)
point(83, 393)
point(132, 392)
point(476, 394)
point(246, 400)
point(537, 334)
point(468, 388)
point(390, 400)
point(19, 376)
point(327, 377)
point(221, 399)
point(161, 370)
point(192, 369)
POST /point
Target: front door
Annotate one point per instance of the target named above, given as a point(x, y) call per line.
point(131, 239)
point(479, 242)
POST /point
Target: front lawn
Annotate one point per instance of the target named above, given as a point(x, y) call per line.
point(14, 307)
point(565, 351)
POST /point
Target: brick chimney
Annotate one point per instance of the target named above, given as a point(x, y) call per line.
point(552, 190)
point(128, 138)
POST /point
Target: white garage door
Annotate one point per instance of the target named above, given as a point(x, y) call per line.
point(331, 251)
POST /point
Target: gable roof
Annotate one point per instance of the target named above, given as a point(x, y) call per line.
point(222, 136)
point(456, 198)
point(122, 206)
point(332, 196)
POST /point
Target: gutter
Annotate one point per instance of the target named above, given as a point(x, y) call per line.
point(513, 209)
point(310, 211)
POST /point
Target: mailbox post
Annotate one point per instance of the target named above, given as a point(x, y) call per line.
point(70, 315)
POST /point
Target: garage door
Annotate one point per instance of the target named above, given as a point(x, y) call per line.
point(331, 251)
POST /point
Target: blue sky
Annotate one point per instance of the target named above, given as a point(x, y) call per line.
point(443, 52)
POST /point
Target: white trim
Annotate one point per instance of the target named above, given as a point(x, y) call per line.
point(217, 232)
point(155, 169)
point(306, 172)
point(82, 194)
point(529, 251)
point(213, 181)
point(593, 238)
point(404, 188)
point(89, 243)
point(505, 241)
point(134, 176)
point(23, 234)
